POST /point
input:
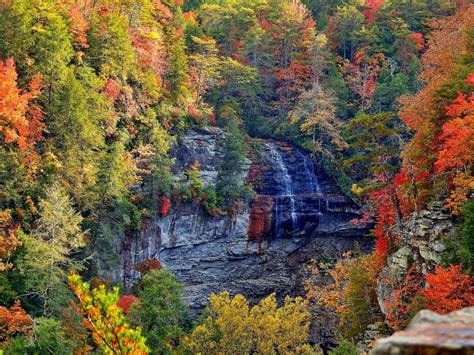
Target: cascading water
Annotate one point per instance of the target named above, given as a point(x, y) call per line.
point(309, 170)
point(299, 199)
point(287, 187)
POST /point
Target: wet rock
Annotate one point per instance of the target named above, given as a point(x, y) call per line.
point(432, 334)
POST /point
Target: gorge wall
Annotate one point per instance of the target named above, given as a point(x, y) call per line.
point(297, 215)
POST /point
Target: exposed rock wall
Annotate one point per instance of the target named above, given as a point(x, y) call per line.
point(421, 244)
point(298, 215)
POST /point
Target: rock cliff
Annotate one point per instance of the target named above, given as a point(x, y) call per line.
point(421, 244)
point(298, 214)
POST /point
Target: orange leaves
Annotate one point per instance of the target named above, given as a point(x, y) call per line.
point(112, 89)
point(448, 290)
point(20, 121)
point(78, 25)
point(14, 321)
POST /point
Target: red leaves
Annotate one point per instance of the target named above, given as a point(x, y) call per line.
point(20, 121)
point(406, 300)
point(470, 79)
point(373, 6)
point(126, 301)
point(112, 89)
point(457, 135)
point(147, 265)
point(165, 206)
point(418, 39)
point(448, 290)
point(13, 321)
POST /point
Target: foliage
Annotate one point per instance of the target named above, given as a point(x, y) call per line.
point(351, 293)
point(160, 311)
point(47, 338)
point(344, 348)
point(315, 114)
point(460, 246)
point(105, 319)
point(126, 301)
point(406, 301)
point(232, 327)
point(206, 196)
point(50, 246)
point(20, 121)
point(448, 289)
point(14, 321)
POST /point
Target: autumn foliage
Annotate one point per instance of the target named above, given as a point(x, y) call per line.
point(105, 319)
point(126, 301)
point(14, 321)
point(406, 300)
point(147, 265)
point(448, 289)
point(165, 206)
point(20, 119)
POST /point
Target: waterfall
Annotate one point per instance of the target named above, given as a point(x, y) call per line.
point(309, 170)
point(287, 184)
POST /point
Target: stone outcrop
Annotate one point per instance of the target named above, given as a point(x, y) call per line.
point(421, 244)
point(432, 334)
point(298, 215)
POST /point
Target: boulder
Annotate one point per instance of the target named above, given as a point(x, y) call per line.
point(432, 334)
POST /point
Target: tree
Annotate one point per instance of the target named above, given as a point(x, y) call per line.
point(315, 113)
point(460, 246)
point(406, 300)
point(448, 289)
point(49, 248)
point(160, 311)
point(345, 348)
point(457, 135)
point(9, 241)
point(14, 321)
point(20, 120)
point(351, 293)
point(205, 63)
point(47, 338)
point(232, 327)
point(345, 24)
point(105, 320)
point(374, 138)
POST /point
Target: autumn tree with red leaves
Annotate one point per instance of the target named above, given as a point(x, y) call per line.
point(448, 289)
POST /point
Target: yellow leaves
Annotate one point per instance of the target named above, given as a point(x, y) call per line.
point(234, 327)
point(357, 190)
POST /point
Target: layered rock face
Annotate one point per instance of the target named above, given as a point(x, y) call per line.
point(432, 334)
point(297, 215)
point(421, 244)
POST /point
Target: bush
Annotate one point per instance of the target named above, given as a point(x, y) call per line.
point(344, 348)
